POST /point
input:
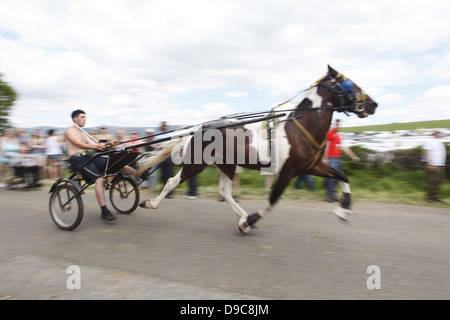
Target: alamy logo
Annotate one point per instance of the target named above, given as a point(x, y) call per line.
point(74, 280)
point(374, 280)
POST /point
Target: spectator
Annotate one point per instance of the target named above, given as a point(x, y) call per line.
point(121, 138)
point(54, 152)
point(37, 145)
point(9, 147)
point(333, 156)
point(192, 192)
point(23, 136)
point(307, 179)
point(25, 166)
point(104, 135)
point(135, 140)
point(435, 156)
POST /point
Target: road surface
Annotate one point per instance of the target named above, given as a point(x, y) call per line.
point(192, 249)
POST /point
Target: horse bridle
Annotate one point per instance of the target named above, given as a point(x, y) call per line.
point(342, 86)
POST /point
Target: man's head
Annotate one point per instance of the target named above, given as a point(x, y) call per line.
point(436, 133)
point(79, 117)
point(337, 125)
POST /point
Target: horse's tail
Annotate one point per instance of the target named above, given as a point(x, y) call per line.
point(158, 158)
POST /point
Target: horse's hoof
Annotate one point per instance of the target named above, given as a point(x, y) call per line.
point(144, 204)
point(343, 214)
point(243, 226)
point(253, 218)
point(147, 204)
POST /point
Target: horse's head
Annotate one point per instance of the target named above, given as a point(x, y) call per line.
point(347, 95)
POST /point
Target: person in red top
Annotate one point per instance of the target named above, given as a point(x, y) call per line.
point(333, 156)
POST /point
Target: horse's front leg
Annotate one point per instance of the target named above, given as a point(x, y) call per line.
point(285, 176)
point(323, 170)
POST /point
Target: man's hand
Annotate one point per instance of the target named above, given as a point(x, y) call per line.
point(111, 143)
point(100, 146)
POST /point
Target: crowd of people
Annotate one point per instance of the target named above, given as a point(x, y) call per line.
point(34, 156)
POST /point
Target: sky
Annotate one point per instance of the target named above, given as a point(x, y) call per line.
point(140, 62)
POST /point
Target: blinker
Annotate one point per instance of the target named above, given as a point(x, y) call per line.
point(346, 85)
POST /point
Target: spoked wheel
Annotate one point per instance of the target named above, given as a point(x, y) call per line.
point(124, 194)
point(66, 207)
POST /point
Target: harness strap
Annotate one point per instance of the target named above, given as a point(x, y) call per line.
point(320, 147)
point(316, 159)
point(309, 136)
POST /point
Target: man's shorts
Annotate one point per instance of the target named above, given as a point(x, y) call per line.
point(90, 172)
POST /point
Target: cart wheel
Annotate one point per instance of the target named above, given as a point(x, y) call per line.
point(124, 194)
point(66, 207)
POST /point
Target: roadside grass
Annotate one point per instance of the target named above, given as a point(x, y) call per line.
point(374, 186)
point(401, 126)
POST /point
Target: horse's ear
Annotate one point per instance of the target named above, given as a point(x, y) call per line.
point(332, 71)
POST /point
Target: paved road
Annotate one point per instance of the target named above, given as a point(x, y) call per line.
point(192, 249)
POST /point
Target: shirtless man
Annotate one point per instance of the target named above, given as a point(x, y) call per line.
point(77, 142)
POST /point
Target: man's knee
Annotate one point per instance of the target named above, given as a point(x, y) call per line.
point(99, 182)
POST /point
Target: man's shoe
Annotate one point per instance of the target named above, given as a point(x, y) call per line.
point(145, 175)
point(108, 216)
point(190, 197)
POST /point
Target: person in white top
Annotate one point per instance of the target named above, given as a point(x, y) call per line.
point(53, 152)
point(435, 155)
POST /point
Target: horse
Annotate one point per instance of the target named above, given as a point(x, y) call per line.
point(294, 146)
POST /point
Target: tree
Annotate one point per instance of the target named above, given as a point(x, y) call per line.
point(7, 98)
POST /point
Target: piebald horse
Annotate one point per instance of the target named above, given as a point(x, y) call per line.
point(297, 146)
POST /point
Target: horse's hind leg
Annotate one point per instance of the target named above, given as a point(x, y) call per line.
point(171, 184)
point(323, 170)
point(186, 171)
point(225, 190)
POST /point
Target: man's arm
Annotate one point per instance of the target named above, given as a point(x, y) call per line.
point(350, 153)
point(82, 143)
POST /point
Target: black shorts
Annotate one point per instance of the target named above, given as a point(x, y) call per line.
point(90, 172)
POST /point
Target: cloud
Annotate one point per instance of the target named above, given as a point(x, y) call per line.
point(127, 62)
point(236, 94)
